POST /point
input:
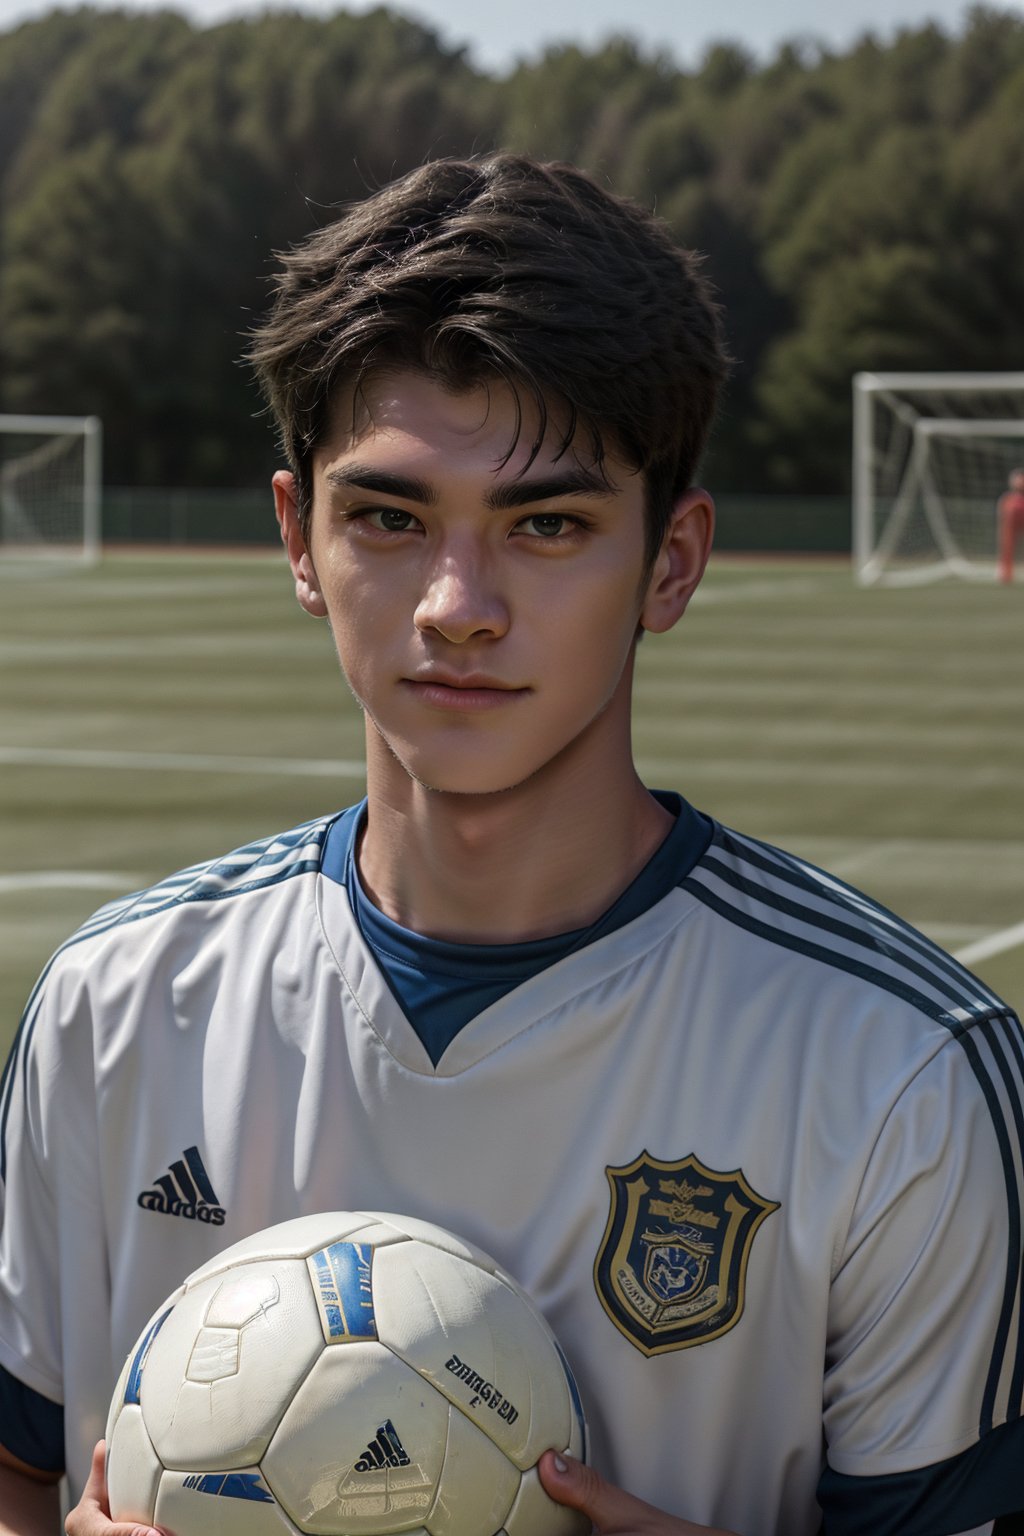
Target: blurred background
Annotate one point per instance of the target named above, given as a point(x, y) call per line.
point(856, 182)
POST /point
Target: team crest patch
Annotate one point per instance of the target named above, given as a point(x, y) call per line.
point(672, 1266)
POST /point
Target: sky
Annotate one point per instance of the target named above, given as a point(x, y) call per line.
point(497, 32)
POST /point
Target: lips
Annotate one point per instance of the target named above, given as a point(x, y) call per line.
point(468, 680)
point(468, 692)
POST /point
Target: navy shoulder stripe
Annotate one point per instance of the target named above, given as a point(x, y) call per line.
point(795, 905)
point(259, 864)
point(790, 903)
point(263, 863)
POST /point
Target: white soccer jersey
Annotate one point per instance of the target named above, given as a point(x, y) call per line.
point(757, 1154)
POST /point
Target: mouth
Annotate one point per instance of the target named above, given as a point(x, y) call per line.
point(471, 692)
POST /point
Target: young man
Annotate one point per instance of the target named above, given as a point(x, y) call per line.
point(753, 1144)
point(1010, 515)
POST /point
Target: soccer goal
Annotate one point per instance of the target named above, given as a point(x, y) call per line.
point(50, 482)
point(932, 453)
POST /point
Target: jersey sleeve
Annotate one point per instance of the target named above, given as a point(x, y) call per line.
point(51, 1227)
point(924, 1369)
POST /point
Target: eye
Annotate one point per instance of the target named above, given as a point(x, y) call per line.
point(391, 519)
point(547, 525)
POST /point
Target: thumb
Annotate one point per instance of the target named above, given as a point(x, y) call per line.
point(610, 1509)
point(91, 1517)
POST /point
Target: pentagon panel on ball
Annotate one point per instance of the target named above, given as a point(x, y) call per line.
point(345, 1374)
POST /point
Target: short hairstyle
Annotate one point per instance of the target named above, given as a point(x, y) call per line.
point(506, 267)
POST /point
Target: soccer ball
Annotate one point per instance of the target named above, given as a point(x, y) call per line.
point(347, 1374)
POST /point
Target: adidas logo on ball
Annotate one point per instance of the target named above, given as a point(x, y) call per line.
point(386, 1451)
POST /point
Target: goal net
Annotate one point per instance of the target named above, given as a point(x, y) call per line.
point(50, 487)
point(932, 456)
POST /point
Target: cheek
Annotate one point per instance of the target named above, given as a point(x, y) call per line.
point(355, 644)
point(596, 622)
point(360, 617)
point(585, 666)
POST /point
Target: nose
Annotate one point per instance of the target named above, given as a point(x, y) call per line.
point(460, 598)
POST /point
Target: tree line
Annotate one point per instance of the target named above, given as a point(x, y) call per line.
point(862, 209)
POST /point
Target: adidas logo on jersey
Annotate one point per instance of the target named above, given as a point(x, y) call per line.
point(386, 1451)
point(185, 1190)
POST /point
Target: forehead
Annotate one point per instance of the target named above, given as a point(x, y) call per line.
point(488, 427)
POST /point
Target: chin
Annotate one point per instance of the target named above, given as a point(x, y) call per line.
point(467, 785)
point(453, 770)
point(464, 778)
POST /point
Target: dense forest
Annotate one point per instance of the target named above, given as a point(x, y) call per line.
point(857, 210)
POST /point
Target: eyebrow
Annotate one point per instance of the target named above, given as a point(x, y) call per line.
point(362, 477)
point(514, 493)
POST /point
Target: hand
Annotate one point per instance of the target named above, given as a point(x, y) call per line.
point(612, 1511)
point(91, 1516)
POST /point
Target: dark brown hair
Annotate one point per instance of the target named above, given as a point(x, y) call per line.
point(469, 269)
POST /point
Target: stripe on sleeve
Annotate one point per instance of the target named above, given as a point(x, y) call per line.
point(1011, 1283)
point(793, 905)
point(1002, 1040)
point(254, 867)
point(981, 1484)
point(885, 926)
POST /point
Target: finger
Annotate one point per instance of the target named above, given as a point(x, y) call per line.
point(610, 1509)
point(91, 1517)
point(94, 1494)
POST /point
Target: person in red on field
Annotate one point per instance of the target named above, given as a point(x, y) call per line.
point(1011, 522)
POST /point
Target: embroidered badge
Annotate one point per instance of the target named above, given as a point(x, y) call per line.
point(672, 1266)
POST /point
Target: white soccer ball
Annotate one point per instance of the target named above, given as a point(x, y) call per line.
point(346, 1374)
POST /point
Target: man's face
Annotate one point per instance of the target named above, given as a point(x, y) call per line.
point(485, 613)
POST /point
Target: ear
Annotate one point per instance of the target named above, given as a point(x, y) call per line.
point(680, 562)
point(286, 506)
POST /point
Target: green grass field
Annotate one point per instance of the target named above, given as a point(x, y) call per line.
point(159, 710)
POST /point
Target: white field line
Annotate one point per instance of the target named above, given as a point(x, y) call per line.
point(810, 847)
point(993, 944)
point(832, 735)
point(948, 934)
point(47, 651)
point(712, 771)
point(984, 944)
point(980, 777)
point(847, 858)
point(846, 865)
point(742, 591)
point(181, 762)
point(663, 691)
point(69, 880)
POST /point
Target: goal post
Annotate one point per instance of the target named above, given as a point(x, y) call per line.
point(51, 475)
point(932, 454)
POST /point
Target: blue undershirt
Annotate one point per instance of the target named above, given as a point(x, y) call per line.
point(440, 986)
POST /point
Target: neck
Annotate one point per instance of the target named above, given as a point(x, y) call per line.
point(547, 856)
